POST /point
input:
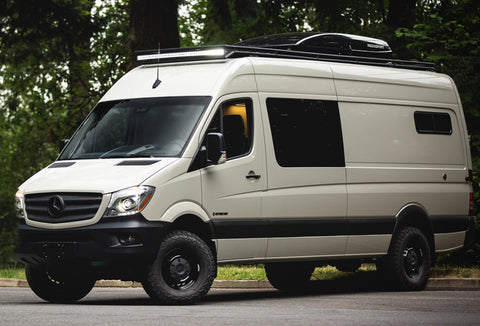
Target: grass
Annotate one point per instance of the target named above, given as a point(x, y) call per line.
point(241, 272)
point(455, 272)
point(12, 271)
point(257, 272)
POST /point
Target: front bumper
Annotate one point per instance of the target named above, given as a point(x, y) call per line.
point(111, 240)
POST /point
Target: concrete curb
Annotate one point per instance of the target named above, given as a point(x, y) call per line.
point(453, 284)
point(13, 283)
point(241, 284)
point(434, 284)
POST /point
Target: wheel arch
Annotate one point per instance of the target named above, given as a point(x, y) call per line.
point(185, 208)
point(415, 215)
point(190, 216)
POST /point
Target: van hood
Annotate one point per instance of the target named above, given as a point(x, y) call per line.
point(98, 175)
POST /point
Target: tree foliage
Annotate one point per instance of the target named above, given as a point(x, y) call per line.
point(57, 58)
point(55, 62)
point(449, 35)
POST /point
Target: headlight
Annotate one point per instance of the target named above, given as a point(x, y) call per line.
point(20, 204)
point(129, 201)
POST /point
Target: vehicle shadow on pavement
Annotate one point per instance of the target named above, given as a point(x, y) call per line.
point(352, 283)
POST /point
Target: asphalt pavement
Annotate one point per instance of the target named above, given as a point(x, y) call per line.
point(131, 306)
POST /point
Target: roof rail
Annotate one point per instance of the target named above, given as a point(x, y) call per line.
point(238, 51)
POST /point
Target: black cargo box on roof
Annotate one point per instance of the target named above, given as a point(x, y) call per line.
point(331, 43)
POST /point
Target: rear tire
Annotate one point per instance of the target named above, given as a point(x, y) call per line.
point(58, 284)
point(183, 271)
point(289, 276)
point(408, 262)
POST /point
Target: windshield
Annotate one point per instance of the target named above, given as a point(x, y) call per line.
point(152, 127)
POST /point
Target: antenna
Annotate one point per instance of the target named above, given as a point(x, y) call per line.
point(158, 81)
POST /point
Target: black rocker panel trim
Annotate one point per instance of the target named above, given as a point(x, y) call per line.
point(298, 227)
point(240, 228)
point(333, 226)
point(447, 224)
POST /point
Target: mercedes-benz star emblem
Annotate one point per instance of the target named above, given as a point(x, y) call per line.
point(56, 205)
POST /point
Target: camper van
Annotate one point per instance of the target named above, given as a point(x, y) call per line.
point(292, 151)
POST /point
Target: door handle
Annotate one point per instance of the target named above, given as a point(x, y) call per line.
point(252, 175)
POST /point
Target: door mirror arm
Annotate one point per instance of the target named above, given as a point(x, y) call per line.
point(62, 144)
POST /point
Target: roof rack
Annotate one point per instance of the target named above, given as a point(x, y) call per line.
point(298, 51)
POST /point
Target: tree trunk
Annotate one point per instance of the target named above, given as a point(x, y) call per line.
point(79, 56)
point(246, 10)
point(401, 13)
point(221, 14)
point(153, 23)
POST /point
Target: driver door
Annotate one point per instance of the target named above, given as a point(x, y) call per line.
point(232, 192)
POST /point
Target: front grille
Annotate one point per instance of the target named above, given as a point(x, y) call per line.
point(62, 207)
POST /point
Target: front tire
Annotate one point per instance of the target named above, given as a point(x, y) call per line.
point(58, 284)
point(183, 271)
point(290, 277)
point(409, 260)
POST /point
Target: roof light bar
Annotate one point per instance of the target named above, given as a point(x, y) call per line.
point(220, 53)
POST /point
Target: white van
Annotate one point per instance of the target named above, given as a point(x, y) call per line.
point(265, 153)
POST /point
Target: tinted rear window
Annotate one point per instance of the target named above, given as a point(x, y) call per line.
point(433, 123)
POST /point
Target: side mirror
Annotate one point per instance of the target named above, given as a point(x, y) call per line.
point(62, 144)
point(216, 153)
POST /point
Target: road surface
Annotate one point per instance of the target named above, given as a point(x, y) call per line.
point(131, 306)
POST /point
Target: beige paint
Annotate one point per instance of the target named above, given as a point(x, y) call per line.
point(388, 164)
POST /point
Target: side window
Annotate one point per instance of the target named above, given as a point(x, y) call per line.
point(234, 120)
point(433, 123)
point(306, 133)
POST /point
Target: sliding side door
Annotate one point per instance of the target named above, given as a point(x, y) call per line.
point(305, 204)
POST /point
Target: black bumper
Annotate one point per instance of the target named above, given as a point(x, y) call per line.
point(111, 240)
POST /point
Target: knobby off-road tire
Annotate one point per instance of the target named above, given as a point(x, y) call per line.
point(183, 271)
point(58, 284)
point(408, 263)
point(292, 277)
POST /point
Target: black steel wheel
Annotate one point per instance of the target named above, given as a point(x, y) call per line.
point(290, 277)
point(409, 259)
point(59, 284)
point(183, 271)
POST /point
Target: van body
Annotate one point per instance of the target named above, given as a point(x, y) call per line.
point(291, 163)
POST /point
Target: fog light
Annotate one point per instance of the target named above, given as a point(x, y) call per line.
point(128, 239)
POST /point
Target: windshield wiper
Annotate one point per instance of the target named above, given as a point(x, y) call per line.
point(123, 151)
point(126, 155)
